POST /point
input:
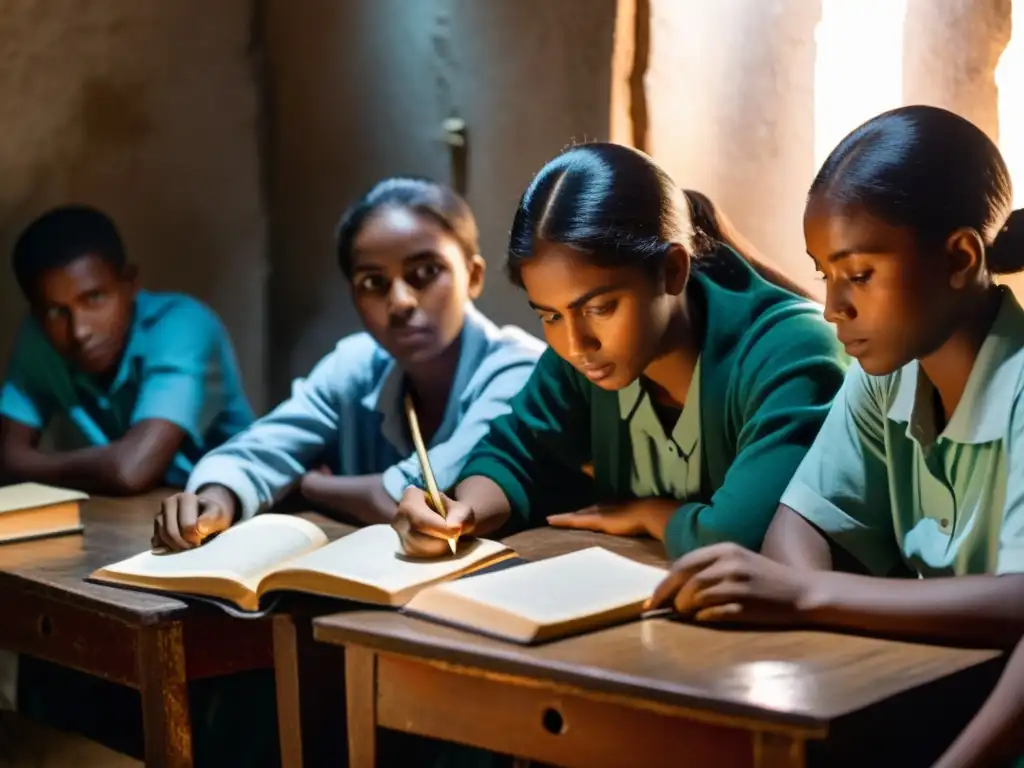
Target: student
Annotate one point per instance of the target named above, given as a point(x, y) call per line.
point(134, 387)
point(918, 467)
point(680, 374)
point(137, 385)
point(409, 250)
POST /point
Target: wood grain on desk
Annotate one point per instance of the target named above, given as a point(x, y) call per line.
point(115, 529)
point(639, 693)
point(542, 543)
point(798, 678)
point(155, 643)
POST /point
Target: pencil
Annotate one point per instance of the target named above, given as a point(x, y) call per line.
point(428, 473)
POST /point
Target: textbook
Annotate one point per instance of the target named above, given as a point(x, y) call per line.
point(274, 552)
point(34, 511)
point(521, 601)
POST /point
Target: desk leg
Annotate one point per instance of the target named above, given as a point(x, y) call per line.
point(361, 702)
point(286, 679)
point(776, 750)
point(310, 680)
point(164, 691)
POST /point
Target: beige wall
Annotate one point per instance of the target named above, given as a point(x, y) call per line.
point(950, 54)
point(152, 110)
point(360, 90)
point(730, 91)
point(730, 99)
point(149, 111)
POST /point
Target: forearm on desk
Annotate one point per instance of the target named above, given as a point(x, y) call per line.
point(135, 463)
point(101, 469)
point(361, 497)
point(987, 610)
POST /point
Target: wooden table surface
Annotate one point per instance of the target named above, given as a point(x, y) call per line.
point(147, 641)
point(802, 686)
point(114, 529)
point(803, 679)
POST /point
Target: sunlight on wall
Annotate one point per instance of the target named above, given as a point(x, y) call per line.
point(859, 68)
point(1010, 82)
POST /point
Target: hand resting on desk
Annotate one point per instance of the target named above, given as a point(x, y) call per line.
point(186, 519)
point(725, 582)
point(637, 517)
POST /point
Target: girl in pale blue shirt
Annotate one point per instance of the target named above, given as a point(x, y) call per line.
point(409, 251)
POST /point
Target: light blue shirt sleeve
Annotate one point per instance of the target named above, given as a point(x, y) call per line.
point(842, 484)
point(261, 463)
point(179, 362)
point(501, 378)
point(23, 397)
point(1011, 533)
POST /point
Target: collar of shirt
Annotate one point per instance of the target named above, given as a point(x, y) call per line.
point(685, 433)
point(983, 413)
point(386, 397)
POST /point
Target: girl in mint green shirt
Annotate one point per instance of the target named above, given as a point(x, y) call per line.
point(919, 468)
point(676, 371)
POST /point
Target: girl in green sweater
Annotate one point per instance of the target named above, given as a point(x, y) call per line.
point(690, 384)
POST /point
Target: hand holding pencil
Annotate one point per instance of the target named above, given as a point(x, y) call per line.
point(428, 523)
point(422, 531)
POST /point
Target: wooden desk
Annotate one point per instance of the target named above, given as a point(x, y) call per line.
point(310, 675)
point(657, 692)
point(152, 643)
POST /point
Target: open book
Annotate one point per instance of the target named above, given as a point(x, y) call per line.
point(539, 601)
point(32, 511)
point(274, 552)
point(523, 602)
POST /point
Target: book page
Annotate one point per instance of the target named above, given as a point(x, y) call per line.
point(372, 556)
point(242, 553)
point(32, 495)
point(584, 583)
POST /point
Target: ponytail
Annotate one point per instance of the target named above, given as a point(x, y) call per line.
point(712, 227)
point(1006, 254)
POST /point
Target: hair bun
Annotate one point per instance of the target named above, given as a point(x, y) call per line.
point(1006, 254)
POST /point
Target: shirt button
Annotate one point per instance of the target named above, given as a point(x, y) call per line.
point(671, 448)
point(944, 523)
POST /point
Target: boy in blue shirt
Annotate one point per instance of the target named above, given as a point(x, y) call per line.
point(137, 386)
point(132, 388)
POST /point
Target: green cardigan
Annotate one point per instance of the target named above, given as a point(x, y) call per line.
point(770, 366)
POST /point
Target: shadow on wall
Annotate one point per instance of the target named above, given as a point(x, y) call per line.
point(359, 90)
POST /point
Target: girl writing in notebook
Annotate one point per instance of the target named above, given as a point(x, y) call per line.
point(919, 467)
point(676, 371)
point(408, 249)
